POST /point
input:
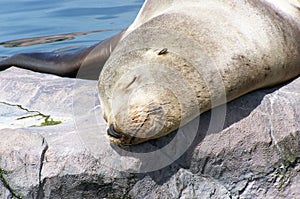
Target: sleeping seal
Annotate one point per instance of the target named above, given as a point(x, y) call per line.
point(181, 58)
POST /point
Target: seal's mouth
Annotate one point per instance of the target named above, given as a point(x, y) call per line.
point(113, 133)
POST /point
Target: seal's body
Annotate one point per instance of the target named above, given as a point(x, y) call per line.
point(181, 58)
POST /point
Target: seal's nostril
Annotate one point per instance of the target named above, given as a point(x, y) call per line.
point(111, 131)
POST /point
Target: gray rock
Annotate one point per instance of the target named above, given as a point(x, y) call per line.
point(183, 184)
point(259, 155)
point(53, 145)
point(21, 160)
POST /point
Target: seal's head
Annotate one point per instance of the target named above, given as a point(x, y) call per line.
point(146, 113)
point(144, 96)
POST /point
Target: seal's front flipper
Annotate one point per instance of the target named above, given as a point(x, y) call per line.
point(88, 62)
point(48, 62)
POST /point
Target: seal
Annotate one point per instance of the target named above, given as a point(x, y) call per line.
point(181, 58)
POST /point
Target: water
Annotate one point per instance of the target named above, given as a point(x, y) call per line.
point(69, 24)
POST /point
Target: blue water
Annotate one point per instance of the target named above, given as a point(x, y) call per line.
point(23, 19)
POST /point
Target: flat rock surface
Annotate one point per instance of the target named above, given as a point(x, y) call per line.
point(54, 145)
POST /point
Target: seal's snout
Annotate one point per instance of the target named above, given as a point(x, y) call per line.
point(112, 132)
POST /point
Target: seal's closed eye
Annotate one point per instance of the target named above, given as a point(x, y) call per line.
point(111, 131)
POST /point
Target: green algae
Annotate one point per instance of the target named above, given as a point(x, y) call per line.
point(47, 120)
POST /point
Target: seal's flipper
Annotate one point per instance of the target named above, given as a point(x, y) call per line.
point(65, 64)
point(88, 61)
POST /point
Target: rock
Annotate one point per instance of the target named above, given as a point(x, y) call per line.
point(257, 156)
point(53, 145)
point(183, 184)
point(22, 155)
point(4, 193)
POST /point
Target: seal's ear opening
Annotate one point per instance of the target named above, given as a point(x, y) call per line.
point(163, 51)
